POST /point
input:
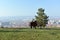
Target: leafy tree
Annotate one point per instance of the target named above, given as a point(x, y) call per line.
point(41, 17)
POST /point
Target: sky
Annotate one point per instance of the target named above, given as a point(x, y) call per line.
point(29, 7)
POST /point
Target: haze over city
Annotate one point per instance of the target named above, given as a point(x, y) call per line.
point(23, 10)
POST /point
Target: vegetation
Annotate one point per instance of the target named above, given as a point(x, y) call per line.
point(41, 17)
point(29, 34)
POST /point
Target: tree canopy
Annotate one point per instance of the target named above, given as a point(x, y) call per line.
point(41, 17)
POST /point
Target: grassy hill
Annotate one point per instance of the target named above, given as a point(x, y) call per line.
point(29, 34)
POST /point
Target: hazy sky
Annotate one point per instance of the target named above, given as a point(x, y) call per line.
point(29, 7)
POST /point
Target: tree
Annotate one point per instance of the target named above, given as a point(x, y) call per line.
point(41, 17)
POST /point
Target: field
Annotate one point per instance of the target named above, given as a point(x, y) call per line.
point(29, 34)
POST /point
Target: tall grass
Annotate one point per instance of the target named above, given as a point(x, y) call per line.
point(29, 34)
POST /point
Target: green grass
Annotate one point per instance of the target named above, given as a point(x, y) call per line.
point(29, 34)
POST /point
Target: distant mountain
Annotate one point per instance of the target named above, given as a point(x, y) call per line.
point(15, 18)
